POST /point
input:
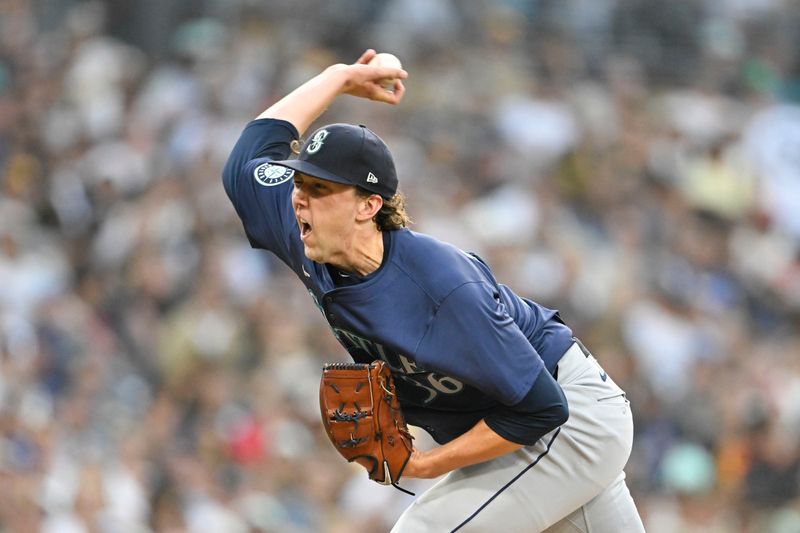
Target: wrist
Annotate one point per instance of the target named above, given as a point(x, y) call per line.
point(420, 466)
point(338, 75)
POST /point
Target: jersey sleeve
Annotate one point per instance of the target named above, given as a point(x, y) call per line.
point(261, 192)
point(473, 338)
point(543, 409)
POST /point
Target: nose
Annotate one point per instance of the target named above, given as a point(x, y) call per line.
point(299, 196)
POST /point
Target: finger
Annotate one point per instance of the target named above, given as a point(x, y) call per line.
point(366, 57)
point(399, 91)
point(392, 94)
point(380, 94)
point(389, 73)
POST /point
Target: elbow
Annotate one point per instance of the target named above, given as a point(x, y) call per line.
point(560, 414)
point(559, 409)
point(229, 179)
point(227, 174)
point(560, 406)
point(554, 417)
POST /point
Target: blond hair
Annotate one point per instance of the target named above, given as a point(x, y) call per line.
point(392, 214)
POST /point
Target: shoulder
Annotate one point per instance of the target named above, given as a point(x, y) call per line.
point(261, 141)
point(436, 266)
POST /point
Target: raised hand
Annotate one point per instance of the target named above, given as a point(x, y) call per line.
point(369, 81)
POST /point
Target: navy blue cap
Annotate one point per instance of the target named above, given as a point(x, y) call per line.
point(348, 154)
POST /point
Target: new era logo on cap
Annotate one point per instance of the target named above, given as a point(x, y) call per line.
point(346, 153)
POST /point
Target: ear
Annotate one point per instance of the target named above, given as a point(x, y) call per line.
point(368, 207)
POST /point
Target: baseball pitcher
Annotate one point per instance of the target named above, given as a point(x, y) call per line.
point(533, 434)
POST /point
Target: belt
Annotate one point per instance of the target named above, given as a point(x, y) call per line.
point(583, 348)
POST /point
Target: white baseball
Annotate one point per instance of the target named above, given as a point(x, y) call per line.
point(385, 59)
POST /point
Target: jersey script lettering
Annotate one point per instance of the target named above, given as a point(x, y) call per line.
point(406, 369)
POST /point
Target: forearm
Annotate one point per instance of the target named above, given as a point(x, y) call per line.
point(302, 106)
point(504, 430)
point(477, 445)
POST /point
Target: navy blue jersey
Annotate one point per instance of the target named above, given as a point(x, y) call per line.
point(452, 367)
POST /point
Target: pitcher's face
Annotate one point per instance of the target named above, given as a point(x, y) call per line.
point(326, 215)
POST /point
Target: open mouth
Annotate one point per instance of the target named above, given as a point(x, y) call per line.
point(305, 228)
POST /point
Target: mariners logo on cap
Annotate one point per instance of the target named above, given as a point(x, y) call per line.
point(270, 175)
point(316, 141)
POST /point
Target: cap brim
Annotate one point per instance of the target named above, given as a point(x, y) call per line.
point(312, 170)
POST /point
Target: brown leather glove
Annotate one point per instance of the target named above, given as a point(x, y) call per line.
point(363, 420)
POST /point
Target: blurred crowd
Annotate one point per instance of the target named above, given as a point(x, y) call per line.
point(633, 163)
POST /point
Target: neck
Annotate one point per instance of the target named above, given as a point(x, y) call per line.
point(364, 255)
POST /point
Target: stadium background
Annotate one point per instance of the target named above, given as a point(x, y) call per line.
point(634, 163)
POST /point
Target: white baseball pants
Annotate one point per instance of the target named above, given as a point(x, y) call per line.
point(570, 481)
